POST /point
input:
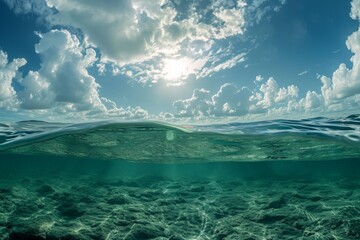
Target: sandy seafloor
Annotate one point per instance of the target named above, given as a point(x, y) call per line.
point(73, 199)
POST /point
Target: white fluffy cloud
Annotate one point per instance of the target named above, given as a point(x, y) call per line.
point(313, 101)
point(137, 36)
point(270, 94)
point(135, 30)
point(339, 93)
point(233, 20)
point(125, 31)
point(8, 72)
point(355, 9)
point(345, 82)
point(153, 40)
point(259, 78)
point(199, 104)
point(123, 113)
point(228, 101)
point(63, 86)
point(63, 79)
point(147, 33)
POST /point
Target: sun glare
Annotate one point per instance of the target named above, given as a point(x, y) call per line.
point(175, 69)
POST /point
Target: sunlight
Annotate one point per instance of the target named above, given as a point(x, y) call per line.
point(175, 69)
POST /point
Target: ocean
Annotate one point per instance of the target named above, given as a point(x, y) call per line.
point(278, 179)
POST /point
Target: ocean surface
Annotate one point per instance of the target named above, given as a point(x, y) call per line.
point(280, 179)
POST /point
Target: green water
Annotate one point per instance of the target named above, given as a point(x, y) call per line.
point(151, 181)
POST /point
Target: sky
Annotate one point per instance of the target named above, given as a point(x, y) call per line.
point(178, 60)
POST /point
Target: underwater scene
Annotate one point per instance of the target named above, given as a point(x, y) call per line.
point(281, 179)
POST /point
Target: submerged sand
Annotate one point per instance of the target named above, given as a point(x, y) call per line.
point(84, 207)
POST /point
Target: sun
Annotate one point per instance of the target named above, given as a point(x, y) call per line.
point(175, 69)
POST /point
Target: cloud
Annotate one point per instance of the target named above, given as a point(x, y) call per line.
point(124, 31)
point(260, 9)
point(114, 111)
point(270, 94)
point(259, 78)
point(199, 104)
point(133, 113)
point(345, 82)
point(206, 71)
point(228, 101)
point(355, 10)
point(166, 116)
point(8, 72)
point(313, 101)
point(339, 93)
point(62, 87)
point(136, 36)
point(140, 37)
point(39, 8)
point(173, 71)
point(63, 79)
point(24, 7)
point(302, 73)
point(232, 20)
point(135, 31)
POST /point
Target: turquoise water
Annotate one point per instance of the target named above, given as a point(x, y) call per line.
point(278, 179)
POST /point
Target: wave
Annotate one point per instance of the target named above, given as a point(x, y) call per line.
point(312, 139)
